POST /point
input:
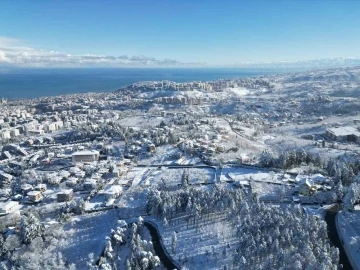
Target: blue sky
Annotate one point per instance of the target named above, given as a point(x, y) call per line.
point(215, 32)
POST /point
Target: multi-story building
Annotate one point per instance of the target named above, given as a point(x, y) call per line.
point(85, 156)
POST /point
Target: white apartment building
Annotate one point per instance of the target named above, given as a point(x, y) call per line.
point(85, 156)
point(8, 207)
point(5, 134)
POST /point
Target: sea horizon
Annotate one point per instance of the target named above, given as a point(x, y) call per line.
point(39, 82)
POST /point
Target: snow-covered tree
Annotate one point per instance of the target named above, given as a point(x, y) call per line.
point(352, 196)
point(174, 242)
point(108, 250)
point(339, 190)
point(266, 158)
point(30, 228)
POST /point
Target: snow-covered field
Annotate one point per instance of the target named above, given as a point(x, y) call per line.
point(86, 234)
point(208, 244)
point(348, 226)
point(240, 174)
point(239, 91)
point(172, 177)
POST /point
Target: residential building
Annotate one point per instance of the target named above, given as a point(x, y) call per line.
point(41, 187)
point(14, 132)
point(5, 134)
point(85, 156)
point(5, 179)
point(35, 196)
point(65, 195)
point(90, 184)
point(343, 134)
point(8, 207)
point(306, 188)
point(112, 192)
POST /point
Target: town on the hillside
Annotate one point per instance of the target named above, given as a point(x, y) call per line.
point(222, 174)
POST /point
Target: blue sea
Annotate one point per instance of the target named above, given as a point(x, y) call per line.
point(32, 83)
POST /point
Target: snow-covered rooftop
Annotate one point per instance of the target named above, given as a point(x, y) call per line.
point(344, 131)
point(87, 152)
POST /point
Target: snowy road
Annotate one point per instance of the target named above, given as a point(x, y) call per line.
point(330, 218)
point(158, 247)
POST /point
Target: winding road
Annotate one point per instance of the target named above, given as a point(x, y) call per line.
point(330, 217)
point(158, 247)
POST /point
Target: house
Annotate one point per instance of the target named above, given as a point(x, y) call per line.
point(35, 196)
point(65, 174)
point(23, 152)
point(306, 188)
point(116, 172)
point(56, 180)
point(35, 132)
point(71, 182)
point(26, 188)
point(343, 134)
point(319, 179)
point(14, 132)
point(151, 147)
point(38, 140)
point(103, 171)
point(41, 187)
point(5, 134)
point(90, 184)
point(65, 195)
point(49, 127)
point(5, 179)
point(8, 207)
point(29, 142)
point(112, 192)
point(80, 174)
point(244, 159)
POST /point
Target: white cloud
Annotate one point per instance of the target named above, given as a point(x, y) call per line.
point(13, 53)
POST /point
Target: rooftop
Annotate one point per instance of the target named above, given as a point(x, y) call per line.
point(66, 191)
point(344, 131)
point(84, 153)
point(8, 204)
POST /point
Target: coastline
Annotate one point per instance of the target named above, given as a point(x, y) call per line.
point(34, 83)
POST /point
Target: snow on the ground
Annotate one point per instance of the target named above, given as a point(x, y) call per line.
point(141, 121)
point(265, 190)
point(163, 155)
point(136, 175)
point(171, 177)
point(123, 252)
point(348, 226)
point(86, 235)
point(315, 210)
point(238, 91)
point(207, 245)
point(238, 174)
point(97, 201)
point(134, 199)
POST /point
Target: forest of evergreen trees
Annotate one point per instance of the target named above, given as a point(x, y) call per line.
point(267, 237)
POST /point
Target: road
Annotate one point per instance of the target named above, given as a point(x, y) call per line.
point(330, 217)
point(159, 250)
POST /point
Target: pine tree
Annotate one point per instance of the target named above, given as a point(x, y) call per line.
point(339, 190)
point(266, 159)
point(30, 228)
